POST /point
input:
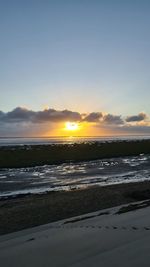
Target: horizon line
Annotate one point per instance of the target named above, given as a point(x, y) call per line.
point(71, 136)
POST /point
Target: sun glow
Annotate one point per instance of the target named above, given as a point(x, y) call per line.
point(71, 126)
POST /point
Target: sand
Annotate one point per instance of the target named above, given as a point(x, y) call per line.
point(33, 210)
point(104, 238)
point(112, 237)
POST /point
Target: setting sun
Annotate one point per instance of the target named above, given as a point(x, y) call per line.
point(71, 126)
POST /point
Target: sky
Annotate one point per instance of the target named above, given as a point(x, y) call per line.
point(81, 56)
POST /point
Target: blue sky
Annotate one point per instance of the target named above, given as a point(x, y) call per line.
point(81, 55)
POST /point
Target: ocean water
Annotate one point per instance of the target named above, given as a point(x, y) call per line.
point(65, 140)
point(69, 176)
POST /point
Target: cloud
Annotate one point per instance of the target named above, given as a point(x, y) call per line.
point(93, 117)
point(1, 114)
point(101, 118)
point(20, 115)
point(112, 119)
point(25, 122)
point(56, 116)
point(140, 117)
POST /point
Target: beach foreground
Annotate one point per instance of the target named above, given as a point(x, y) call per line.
point(32, 210)
point(105, 238)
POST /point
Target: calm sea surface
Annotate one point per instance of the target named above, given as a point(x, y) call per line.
point(71, 175)
point(64, 140)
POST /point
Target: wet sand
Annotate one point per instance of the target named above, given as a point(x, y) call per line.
point(27, 211)
point(71, 176)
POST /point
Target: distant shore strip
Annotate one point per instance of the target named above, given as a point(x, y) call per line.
point(37, 155)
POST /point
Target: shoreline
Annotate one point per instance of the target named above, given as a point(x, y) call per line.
point(33, 210)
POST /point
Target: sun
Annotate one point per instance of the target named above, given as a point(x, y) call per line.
point(71, 126)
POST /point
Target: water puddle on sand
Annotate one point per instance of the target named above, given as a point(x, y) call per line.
point(69, 176)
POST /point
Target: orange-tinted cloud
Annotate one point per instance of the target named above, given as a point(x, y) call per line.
point(22, 121)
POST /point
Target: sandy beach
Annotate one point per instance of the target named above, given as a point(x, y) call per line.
point(24, 211)
point(93, 225)
point(27, 211)
point(103, 238)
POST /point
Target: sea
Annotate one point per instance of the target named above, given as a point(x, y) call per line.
point(14, 141)
point(70, 175)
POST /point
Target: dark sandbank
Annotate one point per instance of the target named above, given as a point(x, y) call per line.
point(28, 156)
point(32, 210)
